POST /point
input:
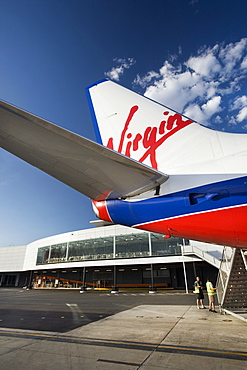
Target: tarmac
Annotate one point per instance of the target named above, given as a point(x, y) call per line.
point(148, 337)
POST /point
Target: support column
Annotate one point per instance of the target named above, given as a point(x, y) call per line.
point(30, 280)
point(152, 288)
point(17, 279)
point(150, 244)
point(185, 276)
point(194, 269)
point(114, 288)
point(84, 287)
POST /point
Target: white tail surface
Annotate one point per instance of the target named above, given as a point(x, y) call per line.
point(161, 138)
point(136, 126)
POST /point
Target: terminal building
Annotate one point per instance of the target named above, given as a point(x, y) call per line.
point(106, 257)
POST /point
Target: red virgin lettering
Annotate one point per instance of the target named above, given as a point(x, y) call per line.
point(128, 146)
point(110, 143)
point(133, 110)
point(162, 127)
point(151, 139)
point(136, 141)
point(176, 119)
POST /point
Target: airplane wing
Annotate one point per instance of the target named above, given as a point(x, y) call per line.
point(88, 167)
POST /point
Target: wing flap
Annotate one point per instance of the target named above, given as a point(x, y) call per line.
point(90, 168)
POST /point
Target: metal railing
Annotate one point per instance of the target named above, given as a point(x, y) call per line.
point(224, 274)
point(206, 256)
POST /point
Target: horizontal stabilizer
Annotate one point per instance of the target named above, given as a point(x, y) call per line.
point(88, 167)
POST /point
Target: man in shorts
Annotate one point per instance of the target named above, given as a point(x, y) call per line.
point(198, 290)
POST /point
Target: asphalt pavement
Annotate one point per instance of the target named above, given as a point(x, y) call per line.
point(63, 310)
point(129, 330)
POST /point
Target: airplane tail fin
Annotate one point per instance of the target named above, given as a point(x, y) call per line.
point(136, 126)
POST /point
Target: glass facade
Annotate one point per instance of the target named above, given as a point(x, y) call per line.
point(119, 246)
point(132, 245)
point(90, 249)
point(58, 253)
point(43, 255)
point(165, 247)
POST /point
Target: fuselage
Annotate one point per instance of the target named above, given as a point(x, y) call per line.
point(205, 197)
point(181, 179)
point(215, 213)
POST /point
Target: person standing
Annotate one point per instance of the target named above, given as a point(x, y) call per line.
point(211, 294)
point(199, 292)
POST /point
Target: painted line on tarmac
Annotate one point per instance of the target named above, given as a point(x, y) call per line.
point(206, 352)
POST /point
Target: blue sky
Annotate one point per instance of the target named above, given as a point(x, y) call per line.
point(189, 55)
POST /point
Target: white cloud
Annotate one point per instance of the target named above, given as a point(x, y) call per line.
point(123, 64)
point(193, 110)
point(146, 79)
point(242, 115)
point(205, 64)
point(197, 86)
point(233, 53)
point(212, 106)
point(206, 111)
point(244, 63)
point(240, 104)
point(232, 121)
point(218, 119)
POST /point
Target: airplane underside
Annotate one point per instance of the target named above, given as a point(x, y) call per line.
point(208, 213)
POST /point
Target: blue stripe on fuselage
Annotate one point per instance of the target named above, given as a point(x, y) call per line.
point(199, 199)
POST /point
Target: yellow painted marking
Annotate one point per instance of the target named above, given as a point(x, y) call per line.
point(32, 335)
point(205, 350)
point(132, 343)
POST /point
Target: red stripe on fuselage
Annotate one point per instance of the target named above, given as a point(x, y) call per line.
point(225, 226)
point(102, 213)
